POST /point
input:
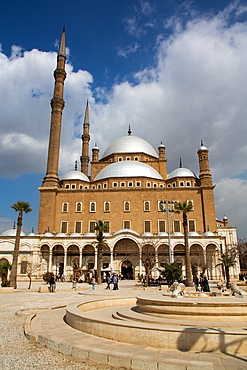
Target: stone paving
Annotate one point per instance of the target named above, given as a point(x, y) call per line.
point(16, 352)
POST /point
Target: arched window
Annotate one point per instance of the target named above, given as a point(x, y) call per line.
point(65, 207)
point(126, 206)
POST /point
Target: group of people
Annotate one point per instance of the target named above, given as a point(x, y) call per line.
point(114, 280)
point(202, 283)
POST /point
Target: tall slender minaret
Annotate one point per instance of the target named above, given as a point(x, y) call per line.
point(85, 143)
point(57, 104)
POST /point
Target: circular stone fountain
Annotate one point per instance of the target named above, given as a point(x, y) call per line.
point(209, 324)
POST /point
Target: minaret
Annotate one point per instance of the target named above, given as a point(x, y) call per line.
point(204, 175)
point(57, 104)
point(85, 143)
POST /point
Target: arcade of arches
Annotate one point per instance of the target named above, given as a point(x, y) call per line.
point(126, 258)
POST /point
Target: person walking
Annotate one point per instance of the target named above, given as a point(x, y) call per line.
point(196, 282)
point(93, 283)
point(108, 280)
point(114, 282)
point(52, 284)
point(205, 285)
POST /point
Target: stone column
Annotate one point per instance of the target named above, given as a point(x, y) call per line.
point(80, 261)
point(140, 264)
point(50, 261)
point(172, 255)
point(156, 259)
point(111, 261)
point(65, 263)
point(95, 260)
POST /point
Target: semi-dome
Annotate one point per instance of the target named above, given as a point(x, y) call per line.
point(75, 175)
point(61, 235)
point(75, 235)
point(31, 234)
point(193, 233)
point(178, 233)
point(12, 232)
point(181, 172)
point(208, 233)
point(130, 144)
point(128, 169)
point(48, 234)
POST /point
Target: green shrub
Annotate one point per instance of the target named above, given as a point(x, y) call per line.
point(47, 276)
point(5, 284)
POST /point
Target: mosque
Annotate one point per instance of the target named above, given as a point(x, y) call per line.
point(129, 189)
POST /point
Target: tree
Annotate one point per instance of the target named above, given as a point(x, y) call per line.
point(148, 260)
point(4, 268)
point(242, 253)
point(172, 272)
point(21, 207)
point(228, 260)
point(185, 208)
point(100, 227)
point(31, 269)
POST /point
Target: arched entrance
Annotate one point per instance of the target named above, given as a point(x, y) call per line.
point(58, 259)
point(127, 269)
point(198, 264)
point(126, 250)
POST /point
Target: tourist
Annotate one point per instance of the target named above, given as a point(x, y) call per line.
point(93, 283)
point(196, 282)
point(52, 284)
point(205, 285)
point(114, 282)
point(108, 280)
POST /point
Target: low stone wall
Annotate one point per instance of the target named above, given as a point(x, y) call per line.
point(82, 317)
point(6, 290)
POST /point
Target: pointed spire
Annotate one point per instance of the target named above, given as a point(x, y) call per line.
point(75, 165)
point(62, 48)
point(180, 163)
point(86, 118)
point(129, 131)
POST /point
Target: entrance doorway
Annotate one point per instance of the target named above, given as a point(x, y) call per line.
point(127, 270)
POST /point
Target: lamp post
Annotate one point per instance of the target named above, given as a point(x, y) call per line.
point(167, 209)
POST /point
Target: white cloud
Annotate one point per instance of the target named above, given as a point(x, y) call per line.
point(5, 224)
point(124, 52)
point(230, 196)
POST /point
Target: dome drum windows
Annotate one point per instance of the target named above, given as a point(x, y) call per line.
point(138, 184)
point(105, 185)
point(148, 184)
point(106, 206)
point(146, 206)
point(122, 184)
point(92, 206)
point(181, 183)
point(114, 184)
point(120, 159)
point(65, 207)
point(73, 186)
point(130, 184)
point(126, 206)
point(188, 183)
point(66, 186)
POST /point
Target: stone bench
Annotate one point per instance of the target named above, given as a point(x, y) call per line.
point(44, 289)
point(6, 290)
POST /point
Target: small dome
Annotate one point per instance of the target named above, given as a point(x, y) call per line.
point(193, 233)
point(31, 234)
point(178, 234)
point(181, 172)
point(126, 231)
point(75, 175)
point(128, 169)
point(162, 234)
point(61, 235)
point(202, 147)
point(76, 235)
point(147, 234)
point(106, 234)
point(208, 233)
point(225, 218)
point(12, 232)
point(90, 235)
point(48, 235)
point(130, 144)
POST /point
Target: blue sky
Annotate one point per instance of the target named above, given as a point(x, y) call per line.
point(174, 70)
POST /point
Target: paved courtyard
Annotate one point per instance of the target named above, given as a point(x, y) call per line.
point(16, 352)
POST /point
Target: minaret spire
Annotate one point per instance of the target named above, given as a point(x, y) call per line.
point(180, 163)
point(57, 104)
point(85, 143)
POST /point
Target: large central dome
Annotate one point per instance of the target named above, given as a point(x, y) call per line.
point(128, 169)
point(130, 144)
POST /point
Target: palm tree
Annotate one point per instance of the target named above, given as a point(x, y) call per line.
point(172, 272)
point(21, 207)
point(185, 208)
point(100, 227)
point(227, 261)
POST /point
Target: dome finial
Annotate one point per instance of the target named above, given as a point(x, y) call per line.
point(75, 165)
point(180, 163)
point(129, 131)
point(87, 102)
point(201, 143)
point(64, 28)
point(33, 230)
point(14, 225)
